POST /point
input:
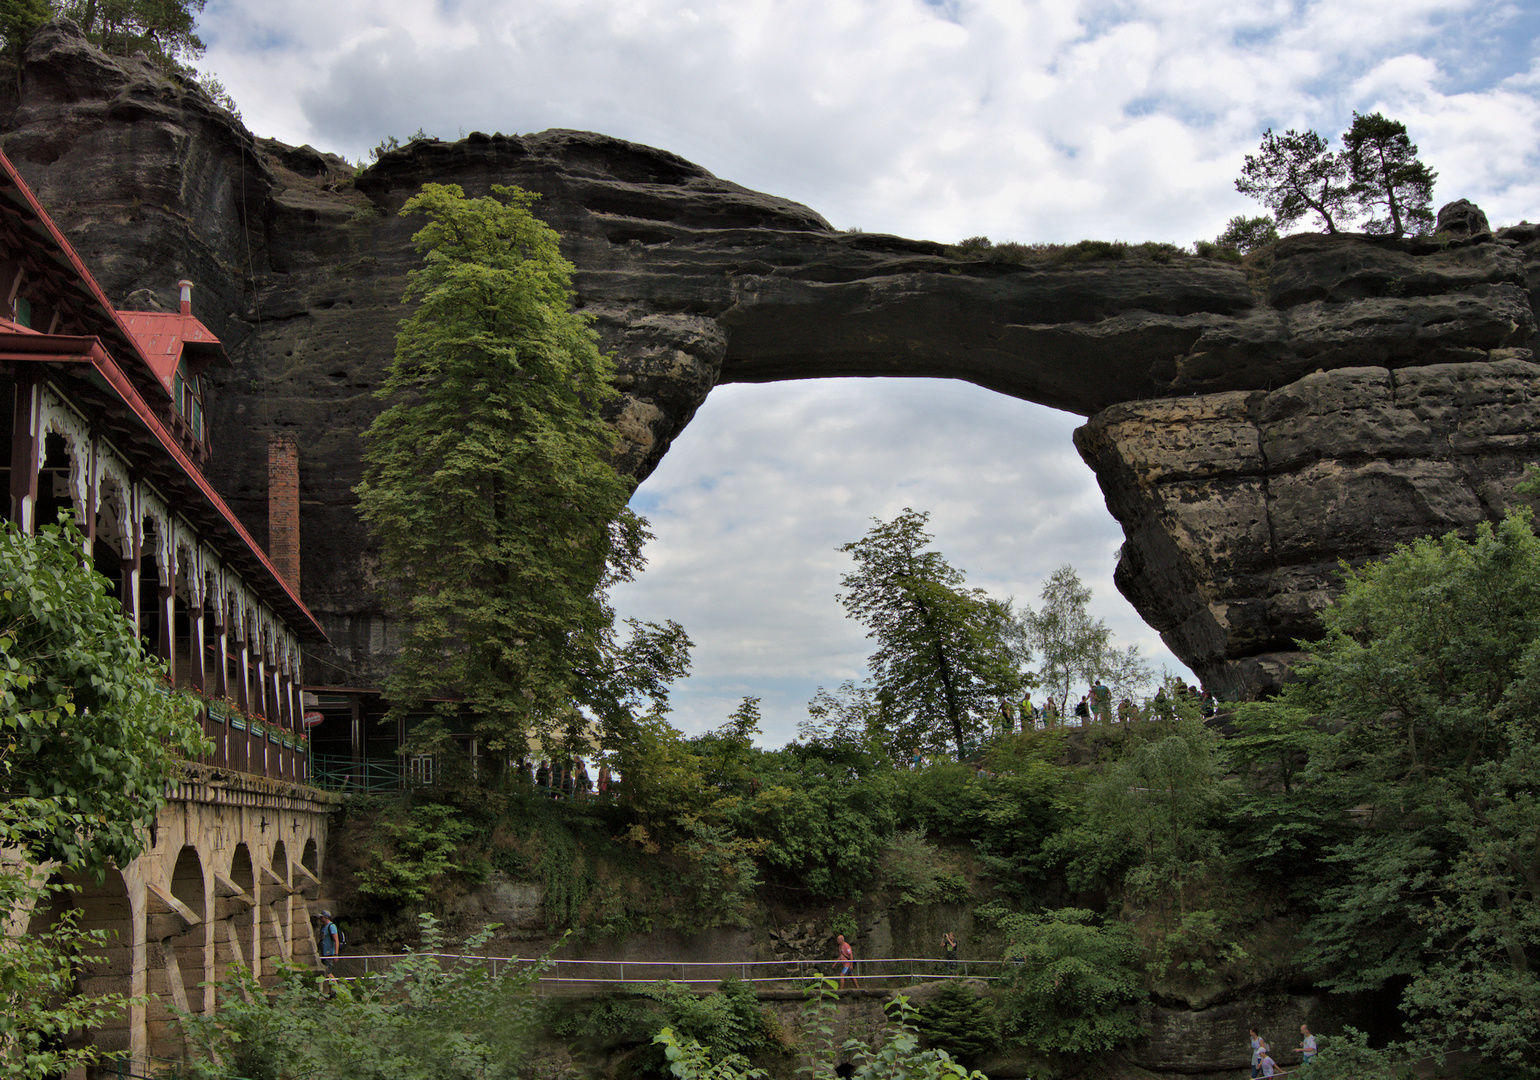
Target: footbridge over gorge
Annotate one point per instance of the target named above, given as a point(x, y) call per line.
point(1250, 424)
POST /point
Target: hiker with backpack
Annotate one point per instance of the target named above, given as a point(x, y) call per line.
point(331, 942)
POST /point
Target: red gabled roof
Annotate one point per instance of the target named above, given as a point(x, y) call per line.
point(162, 335)
point(123, 374)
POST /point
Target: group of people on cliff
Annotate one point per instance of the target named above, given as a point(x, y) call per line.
point(1095, 706)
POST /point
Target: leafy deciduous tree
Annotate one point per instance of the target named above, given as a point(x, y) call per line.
point(942, 660)
point(500, 519)
point(1428, 664)
point(1074, 647)
point(1246, 234)
point(1077, 990)
point(163, 29)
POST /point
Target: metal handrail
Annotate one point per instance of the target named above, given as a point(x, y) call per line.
point(792, 973)
point(344, 774)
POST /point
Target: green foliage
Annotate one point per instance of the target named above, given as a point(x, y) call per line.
point(1350, 1057)
point(823, 816)
point(161, 29)
point(917, 872)
point(86, 723)
point(19, 20)
point(39, 1005)
point(1247, 234)
point(1072, 646)
point(727, 1025)
point(500, 519)
point(1006, 818)
point(1420, 821)
point(849, 717)
point(88, 743)
point(900, 1056)
point(960, 1022)
point(1294, 174)
point(418, 1020)
point(1479, 987)
point(215, 91)
point(1386, 176)
point(416, 851)
point(1077, 989)
point(941, 661)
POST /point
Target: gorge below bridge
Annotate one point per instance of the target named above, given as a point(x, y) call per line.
point(1250, 424)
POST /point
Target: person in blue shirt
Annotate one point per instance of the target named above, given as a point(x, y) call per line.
point(330, 940)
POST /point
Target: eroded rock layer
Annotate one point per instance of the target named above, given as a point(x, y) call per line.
point(1250, 424)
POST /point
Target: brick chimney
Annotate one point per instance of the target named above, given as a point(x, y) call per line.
point(185, 288)
point(283, 506)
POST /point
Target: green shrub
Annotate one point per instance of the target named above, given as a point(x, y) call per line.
point(960, 1022)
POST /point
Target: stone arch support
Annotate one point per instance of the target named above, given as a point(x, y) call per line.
point(233, 863)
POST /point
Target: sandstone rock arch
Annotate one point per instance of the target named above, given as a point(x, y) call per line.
point(1248, 424)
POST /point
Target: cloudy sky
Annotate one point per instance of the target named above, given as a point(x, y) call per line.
point(1027, 120)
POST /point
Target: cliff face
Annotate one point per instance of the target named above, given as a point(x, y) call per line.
point(1250, 425)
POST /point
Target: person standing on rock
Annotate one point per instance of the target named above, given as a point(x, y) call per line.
point(847, 963)
point(1101, 698)
point(949, 946)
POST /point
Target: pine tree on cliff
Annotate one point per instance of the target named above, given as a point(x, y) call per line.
point(1294, 174)
point(1386, 176)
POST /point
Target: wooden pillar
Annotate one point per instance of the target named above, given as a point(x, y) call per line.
point(356, 728)
point(165, 646)
point(195, 642)
point(243, 686)
point(26, 451)
point(222, 644)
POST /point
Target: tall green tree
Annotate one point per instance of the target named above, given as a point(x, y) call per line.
point(1077, 990)
point(942, 661)
point(1386, 177)
point(1294, 174)
point(500, 519)
point(1072, 647)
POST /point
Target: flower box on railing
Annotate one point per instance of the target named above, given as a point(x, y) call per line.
point(274, 735)
point(237, 721)
point(218, 713)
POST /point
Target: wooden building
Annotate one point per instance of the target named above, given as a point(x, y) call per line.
point(102, 413)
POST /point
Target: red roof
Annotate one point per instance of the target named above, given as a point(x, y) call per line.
point(161, 336)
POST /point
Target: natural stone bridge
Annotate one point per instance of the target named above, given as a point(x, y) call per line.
point(1250, 425)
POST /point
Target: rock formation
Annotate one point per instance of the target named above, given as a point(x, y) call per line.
point(1250, 424)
